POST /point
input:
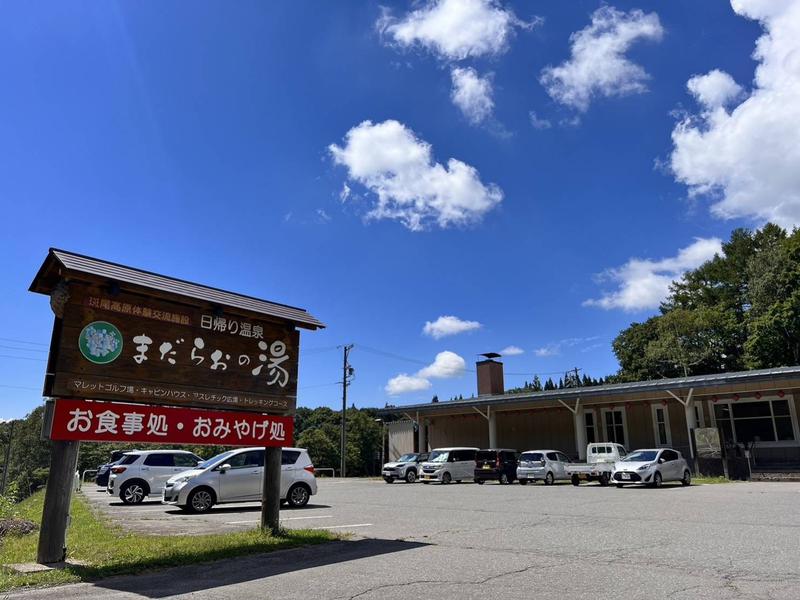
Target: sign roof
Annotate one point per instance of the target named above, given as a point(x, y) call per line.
point(61, 264)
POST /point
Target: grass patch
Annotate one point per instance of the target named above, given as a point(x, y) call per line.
point(108, 550)
point(709, 480)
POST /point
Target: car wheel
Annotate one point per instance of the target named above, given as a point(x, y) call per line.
point(479, 481)
point(576, 480)
point(548, 479)
point(619, 485)
point(132, 492)
point(411, 476)
point(200, 500)
point(446, 478)
point(657, 480)
point(523, 482)
point(298, 495)
point(687, 478)
point(388, 480)
point(604, 481)
point(503, 479)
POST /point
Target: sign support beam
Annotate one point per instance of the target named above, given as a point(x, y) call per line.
point(55, 516)
point(271, 492)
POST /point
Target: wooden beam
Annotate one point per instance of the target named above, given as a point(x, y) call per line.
point(271, 491)
point(477, 410)
point(55, 516)
point(568, 407)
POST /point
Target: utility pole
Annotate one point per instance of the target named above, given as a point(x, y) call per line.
point(571, 378)
point(8, 456)
point(347, 375)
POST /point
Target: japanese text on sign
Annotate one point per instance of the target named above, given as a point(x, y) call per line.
point(100, 421)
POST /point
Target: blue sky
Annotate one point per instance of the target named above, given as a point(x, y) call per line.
point(213, 142)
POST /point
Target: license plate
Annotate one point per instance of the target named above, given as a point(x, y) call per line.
point(626, 475)
point(487, 467)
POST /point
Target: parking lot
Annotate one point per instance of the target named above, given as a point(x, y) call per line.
point(737, 540)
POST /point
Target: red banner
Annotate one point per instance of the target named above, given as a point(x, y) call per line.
point(90, 421)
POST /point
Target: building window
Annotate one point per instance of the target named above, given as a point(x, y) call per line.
point(698, 415)
point(591, 435)
point(614, 421)
point(760, 421)
point(663, 435)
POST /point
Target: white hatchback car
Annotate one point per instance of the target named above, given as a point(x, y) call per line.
point(651, 467)
point(236, 476)
point(144, 472)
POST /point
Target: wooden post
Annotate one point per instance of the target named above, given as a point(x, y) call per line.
point(271, 492)
point(55, 516)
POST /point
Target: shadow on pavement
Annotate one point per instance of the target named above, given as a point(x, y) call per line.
point(227, 509)
point(205, 576)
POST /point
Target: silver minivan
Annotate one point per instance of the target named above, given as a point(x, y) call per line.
point(449, 464)
point(543, 465)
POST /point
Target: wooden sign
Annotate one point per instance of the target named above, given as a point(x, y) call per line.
point(125, 346)
point(128, 423)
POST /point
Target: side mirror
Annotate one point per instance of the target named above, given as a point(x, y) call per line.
point(661, 461)
point(224, 468)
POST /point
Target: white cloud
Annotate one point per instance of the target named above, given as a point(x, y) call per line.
point(746, 159)
point(448, 325)
point(714, 89)
point(446, 365)
point(344, 195)
point(323, 216)
point(512, 351)
point(389, 160)
point(643, 283)
point(539, 123)
point(454, 29)
point(472, 94)
point(598, 65)
point(404, 383)
point(556, 348)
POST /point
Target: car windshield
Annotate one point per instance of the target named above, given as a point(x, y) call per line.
point(531, 456)
point(407, 458)
point(216, 460)
point(438, 457)
point(487, 455)
point(641, 456)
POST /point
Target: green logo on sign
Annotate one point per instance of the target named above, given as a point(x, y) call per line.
point(100, 343)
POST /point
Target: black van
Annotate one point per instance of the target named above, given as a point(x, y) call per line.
point(496, 464)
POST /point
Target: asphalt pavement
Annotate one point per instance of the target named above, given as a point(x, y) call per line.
point(462, 541)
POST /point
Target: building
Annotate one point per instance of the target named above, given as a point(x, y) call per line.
point(748, 406)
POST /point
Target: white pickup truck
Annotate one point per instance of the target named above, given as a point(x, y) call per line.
point(600, 459)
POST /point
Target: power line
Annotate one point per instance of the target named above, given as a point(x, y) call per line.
point(23, 342)
point(19, 387)
point(23, 358)
point(23, 349)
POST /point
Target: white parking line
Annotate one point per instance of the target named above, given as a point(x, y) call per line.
point(344, 526)
point(286, 519)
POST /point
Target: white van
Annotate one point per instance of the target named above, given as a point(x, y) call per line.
point(449, 464)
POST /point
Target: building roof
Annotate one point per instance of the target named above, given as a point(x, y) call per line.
point(674, 385)
point(60, 264)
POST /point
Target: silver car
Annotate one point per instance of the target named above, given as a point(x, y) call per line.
point(542, 465)
point(236, 476)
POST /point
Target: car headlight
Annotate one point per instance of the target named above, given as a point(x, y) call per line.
point(180, 480)
point(644, 467)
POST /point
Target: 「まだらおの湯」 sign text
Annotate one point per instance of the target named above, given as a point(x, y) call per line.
point(105, 422)
point(135, 348)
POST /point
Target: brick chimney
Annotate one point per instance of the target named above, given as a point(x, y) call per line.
point(490, 375)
